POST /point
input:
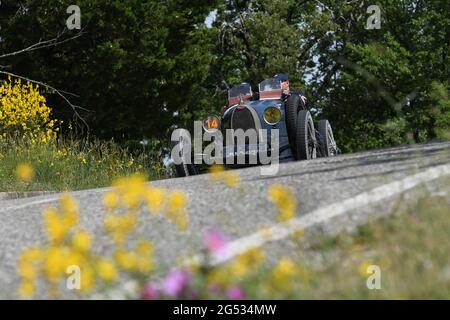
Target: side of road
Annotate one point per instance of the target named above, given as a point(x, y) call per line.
point(21, 195)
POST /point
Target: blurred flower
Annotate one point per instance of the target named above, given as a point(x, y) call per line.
point(214, 289)
point(155, 199)
point(28, 263)
point(150, 292)
point(215, 241)
point(298, 235)
point(56, 229)
point(363, 268)
point(127, 260)
point(284, 272)
point(111, 200)
point(132, 189)
point(235, 293)
point(177, 201)
point(82, 241)
point(55, 264)
point(27, 289)
point(87, 278)
point(68, 204)
point(106, 270)
point(176, 282)
point(231, 179)
point(144, 247)
point(285, 200)
point(25, 172)
point(218, 174)
point(176, 210)
point(247, 261)
point(216, 170)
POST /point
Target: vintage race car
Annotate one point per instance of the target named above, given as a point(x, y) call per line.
point(263, 113)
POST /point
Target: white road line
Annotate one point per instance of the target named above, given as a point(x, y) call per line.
point(52, 199)
point(284, 230)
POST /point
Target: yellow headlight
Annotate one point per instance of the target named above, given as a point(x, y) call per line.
point(272, 115)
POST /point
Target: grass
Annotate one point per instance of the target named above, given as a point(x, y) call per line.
point(411, 247)
point(71, 164)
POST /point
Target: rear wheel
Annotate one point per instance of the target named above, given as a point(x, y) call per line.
point(306, 144)
point(328, 146)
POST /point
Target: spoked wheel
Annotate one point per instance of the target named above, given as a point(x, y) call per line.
point(306, 144)
point(186, 167)
point(328, 147)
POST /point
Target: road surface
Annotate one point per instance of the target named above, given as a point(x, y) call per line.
point(333, 194)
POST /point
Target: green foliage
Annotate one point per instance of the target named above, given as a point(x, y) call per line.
point(71, 165)
point(374, 85)
point(135, 65)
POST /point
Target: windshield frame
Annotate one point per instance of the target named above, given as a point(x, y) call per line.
point(273, 93)
point(244, 95)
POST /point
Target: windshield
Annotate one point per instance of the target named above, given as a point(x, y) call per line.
point(270, 89)
point(271, 84)
point(243, 89)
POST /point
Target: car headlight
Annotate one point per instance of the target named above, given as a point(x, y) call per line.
point(272, 115)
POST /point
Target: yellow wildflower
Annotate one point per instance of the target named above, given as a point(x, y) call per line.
point(231, 179)
point(284, 272)
point(56, 263)
point(144, 247)
point(25, 172)
point(68, 204)
point(27, 289)
point(363, 268)
point(23, 111)
point(82, 241)
point(246, 261)
point(111, 200)
point(155, 199)
point(175, 209)
point(56, 228)
point(106, 270)
point(87, 278)
point(218, 174)
point(177, 201)
point(284, 200)
point(127, 260)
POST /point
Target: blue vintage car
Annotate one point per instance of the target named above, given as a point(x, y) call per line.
point(247, 126)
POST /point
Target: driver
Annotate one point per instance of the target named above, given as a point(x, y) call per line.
point(286, 87)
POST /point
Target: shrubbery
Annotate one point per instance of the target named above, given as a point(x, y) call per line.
point(29, 135)
point(24, 112)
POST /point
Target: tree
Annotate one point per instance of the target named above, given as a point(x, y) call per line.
point(137, 64)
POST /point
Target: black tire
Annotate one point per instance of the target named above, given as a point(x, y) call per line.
point(292, 107)
point(186, 168)
point(306, 143)
point(327, 144)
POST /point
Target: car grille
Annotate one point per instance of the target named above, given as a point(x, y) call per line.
point(242, 119)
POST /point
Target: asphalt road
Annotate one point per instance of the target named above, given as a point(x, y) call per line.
point(337, 190)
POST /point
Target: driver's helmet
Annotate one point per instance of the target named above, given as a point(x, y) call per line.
point(282, 77)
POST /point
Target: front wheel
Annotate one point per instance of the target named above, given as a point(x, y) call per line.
point(186, 167)
point(328, 147)
point(306, 144)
